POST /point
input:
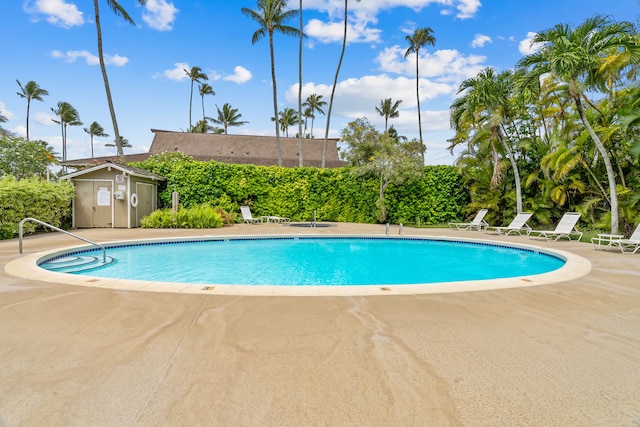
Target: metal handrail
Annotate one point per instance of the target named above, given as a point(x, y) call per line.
point(20, 229)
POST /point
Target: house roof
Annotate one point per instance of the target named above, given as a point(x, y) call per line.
point(253, 149)
point(237, 149)
point(130, 170)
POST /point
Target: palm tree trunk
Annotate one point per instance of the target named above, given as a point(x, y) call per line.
point(300, 162)
point(418, 99)
point(275, 98)
point(516, 172)
point(28, 108)
point(613, 192)
point(116, 132)
point(190, 106)
point(335, 82)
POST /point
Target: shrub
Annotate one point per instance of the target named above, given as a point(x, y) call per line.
point(203, 216)
point(47, 201)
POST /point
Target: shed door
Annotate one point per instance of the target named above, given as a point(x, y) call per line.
point(94, 202)
point(145, 201)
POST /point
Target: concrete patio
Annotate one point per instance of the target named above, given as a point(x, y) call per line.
point(555, 355)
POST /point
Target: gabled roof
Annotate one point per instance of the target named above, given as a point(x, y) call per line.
point(130, 170)
point(242, 149)
point(235, 149)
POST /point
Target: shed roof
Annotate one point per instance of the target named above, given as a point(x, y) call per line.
point(122, 168)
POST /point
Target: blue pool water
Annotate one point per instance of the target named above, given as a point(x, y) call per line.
point(318, 261)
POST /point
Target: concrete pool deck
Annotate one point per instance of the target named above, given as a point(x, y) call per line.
point(554, 354)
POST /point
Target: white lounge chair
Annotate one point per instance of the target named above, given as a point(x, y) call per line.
point(477, 223)
point(247, 218)
point(565, 228)
point(518, 225)
point(617, 241)
point(278, 219)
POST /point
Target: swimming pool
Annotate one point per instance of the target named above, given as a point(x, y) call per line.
point(312, 261)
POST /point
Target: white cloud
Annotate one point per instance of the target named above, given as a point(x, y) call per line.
point(335, 8)
point(527, 47)
point(8, 114)
point(480, 40)
point(177, 73)
point(90, 59)
point(467, 8)
point(358, 30)
point(445, 65)
point(160, 15)
point(240, 75)
point(363, 17)
point(358, 97)
point(43, 118)
point(57, 12)
point(20, 130)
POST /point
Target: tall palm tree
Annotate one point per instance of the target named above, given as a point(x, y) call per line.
point(67, 115)
point(388, 110)
point(288, 117)
point(575, 56)
point(420, 38)
point(335, 81)
point(481, 114)
point(228, 116)
point(271, 18)
point(31, 91)
point(95, 129)
point(196, 75)
point(205, 89)
point(119, 11)
point(314, 103)
point(300, 135)
point(120, 143)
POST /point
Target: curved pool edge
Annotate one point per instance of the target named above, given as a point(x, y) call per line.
point(27, 267)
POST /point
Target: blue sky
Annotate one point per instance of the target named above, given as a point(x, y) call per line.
point(53, 42)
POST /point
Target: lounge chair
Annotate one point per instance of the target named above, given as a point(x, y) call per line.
point(518, 225)
point(477, 223)
point(278, 219)
point(247, 218)
point(617, 241)
point(565, 228)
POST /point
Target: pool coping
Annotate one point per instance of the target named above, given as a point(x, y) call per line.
point(27, 267)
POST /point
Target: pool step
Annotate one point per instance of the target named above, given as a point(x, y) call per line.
point(76, 263)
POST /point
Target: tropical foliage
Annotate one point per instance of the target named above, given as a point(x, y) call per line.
point(95, 129)
point(67, 116)
point(560, 132)
point(29, 92)
point(389, 110)
point(228, 116)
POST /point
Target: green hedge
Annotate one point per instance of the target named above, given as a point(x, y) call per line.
point(336, 194)
point(47, 201)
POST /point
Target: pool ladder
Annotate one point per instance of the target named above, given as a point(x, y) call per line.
point(20, 233)
point(400, 227)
